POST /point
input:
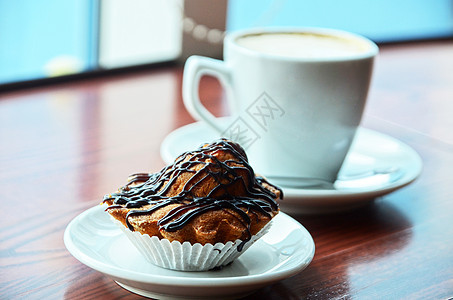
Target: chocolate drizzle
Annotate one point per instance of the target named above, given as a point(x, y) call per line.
point(152, 190)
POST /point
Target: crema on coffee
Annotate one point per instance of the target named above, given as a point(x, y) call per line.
point(304, 45)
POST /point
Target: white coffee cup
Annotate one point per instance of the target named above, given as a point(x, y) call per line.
point(296, 94)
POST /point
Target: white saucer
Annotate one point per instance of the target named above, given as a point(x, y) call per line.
point(97, 242)
point(371, 150)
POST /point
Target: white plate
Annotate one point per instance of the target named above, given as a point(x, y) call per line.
point(371, 150)
point(284, 251)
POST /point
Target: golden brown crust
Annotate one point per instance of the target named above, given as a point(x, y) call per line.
point(217, 226)
point(214, 225)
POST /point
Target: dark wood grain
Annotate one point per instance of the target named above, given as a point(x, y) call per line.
point(63, 147)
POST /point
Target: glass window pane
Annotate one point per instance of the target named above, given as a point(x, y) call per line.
point(139, 32)
point(380, 20)
point(45, 38)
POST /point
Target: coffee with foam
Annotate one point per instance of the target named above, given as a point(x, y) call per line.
point(304, 45)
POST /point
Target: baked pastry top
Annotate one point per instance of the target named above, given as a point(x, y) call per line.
point(209, 195)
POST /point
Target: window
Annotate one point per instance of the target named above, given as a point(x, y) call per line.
point(47, 38)
point(379, 20)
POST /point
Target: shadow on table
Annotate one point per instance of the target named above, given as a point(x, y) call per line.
point(342, 241)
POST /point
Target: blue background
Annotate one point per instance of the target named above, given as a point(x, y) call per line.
point(32, 33)
point(380, 20)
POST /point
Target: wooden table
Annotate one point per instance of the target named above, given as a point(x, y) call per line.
point(63, 147)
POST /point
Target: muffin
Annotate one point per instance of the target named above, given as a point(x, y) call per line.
point(199, 213)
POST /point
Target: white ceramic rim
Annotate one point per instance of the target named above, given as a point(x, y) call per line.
point(411, 173)
point(127, 275)
point(232, 36)
point(323, 196)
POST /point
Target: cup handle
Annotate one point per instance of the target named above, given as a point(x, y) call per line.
point(194, 69)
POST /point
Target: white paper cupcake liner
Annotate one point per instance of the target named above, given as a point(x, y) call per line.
point(185, 256)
